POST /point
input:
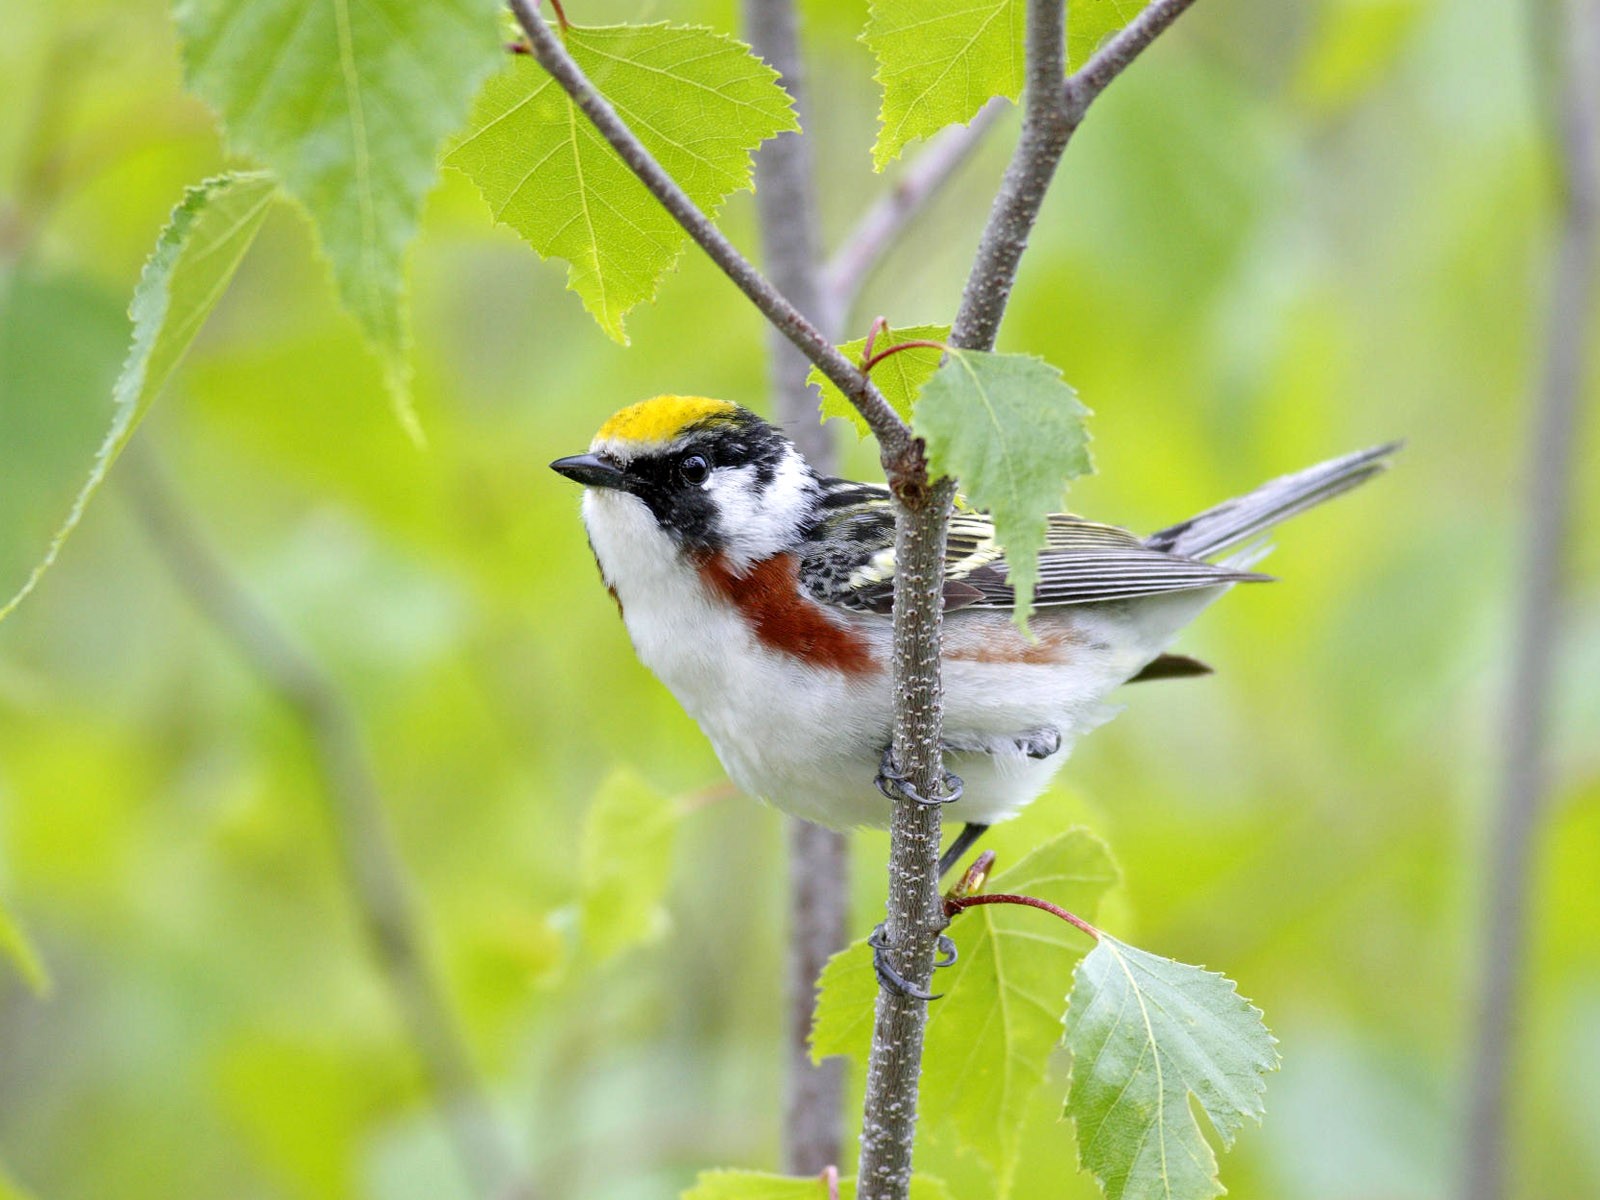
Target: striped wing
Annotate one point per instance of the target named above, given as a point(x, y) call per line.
point(851, 559)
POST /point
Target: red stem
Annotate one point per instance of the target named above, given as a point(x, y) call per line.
point(871, 360)
point(561, 16)
point(954, 904)
point(879, 324)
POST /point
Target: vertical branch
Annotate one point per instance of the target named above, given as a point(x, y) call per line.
point(1525, 782)
point(373, 872)
point(1053, 107)
point(915, 915)
point(819, 864)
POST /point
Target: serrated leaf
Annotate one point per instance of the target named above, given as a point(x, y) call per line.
point(15, 947)
point(939, 64)
point(348, 103)
point(1012, 431)
point(701, 103)
point(1146, 1033)
point(191, 266)
point(989, 1039)
point(899, 377)
point(758, 1185)
point(626, 863)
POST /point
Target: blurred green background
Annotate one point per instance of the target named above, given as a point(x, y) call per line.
point(1291, 231)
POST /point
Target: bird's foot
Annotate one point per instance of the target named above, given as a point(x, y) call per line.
point(878, 939)
point(896, 786)
point(1040, 743)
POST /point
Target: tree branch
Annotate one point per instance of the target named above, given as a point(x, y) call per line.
point(1117, 55)
point(375, 876)
point(1052, 112)
point(915, 913)
point(1525, 780)
point(883, 225)
point(819, 864)
point(901, 454)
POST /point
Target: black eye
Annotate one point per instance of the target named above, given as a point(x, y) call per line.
point(694, 469)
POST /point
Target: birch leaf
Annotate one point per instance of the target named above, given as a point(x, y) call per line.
point(191, 266)
point(1146, 1034)
point(348, 102)
point(1012, 431)
point(938, 64)
point(899, 377)
point(628, 837)
point(699, 101)
point(989, 1039)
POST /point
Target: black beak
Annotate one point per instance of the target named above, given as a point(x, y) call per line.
point(591, 471)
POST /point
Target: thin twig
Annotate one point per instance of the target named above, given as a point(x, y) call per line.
point(819, 863)
point(1117, 55)
point(901, 454)
point(1051, 115)
point(1525, 781)
point(883, 225)
point(376, 877)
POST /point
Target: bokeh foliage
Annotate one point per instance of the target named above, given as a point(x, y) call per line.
point(1291, 231)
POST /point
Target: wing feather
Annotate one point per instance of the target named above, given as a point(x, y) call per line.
point(849, 560)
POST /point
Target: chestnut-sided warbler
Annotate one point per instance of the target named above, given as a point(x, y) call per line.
point(760, 593)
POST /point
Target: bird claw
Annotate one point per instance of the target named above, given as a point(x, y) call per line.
point(878, 939)
point(1040, 743)
point(896, 786)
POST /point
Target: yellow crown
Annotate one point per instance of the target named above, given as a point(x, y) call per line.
point(661, 418)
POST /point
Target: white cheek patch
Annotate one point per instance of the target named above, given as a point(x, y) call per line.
point(756, 523)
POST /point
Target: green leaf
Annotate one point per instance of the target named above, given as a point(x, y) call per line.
point(626, 864)
point(347, 102)
point(899, 377)
point(700, 102)
point(1012, 431)
point(15, 946)
point(939, 64)
point(193, 262)
point(1147, 1033)
point(989, 1039)
point(758, 1185)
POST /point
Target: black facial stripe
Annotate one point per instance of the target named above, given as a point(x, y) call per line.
point(686, 509)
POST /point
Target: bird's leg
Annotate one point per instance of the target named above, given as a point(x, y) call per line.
point(878, 939)
point(896, 786)
point(970, 833)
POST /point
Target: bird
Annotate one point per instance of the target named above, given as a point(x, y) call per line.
point(760, 591)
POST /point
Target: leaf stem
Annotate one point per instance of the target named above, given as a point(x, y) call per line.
point(914, 344)
point(955, 904)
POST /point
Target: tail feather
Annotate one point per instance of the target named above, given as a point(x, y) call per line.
point(1241, 519)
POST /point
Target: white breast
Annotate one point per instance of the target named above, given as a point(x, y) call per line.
point(809, 739)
